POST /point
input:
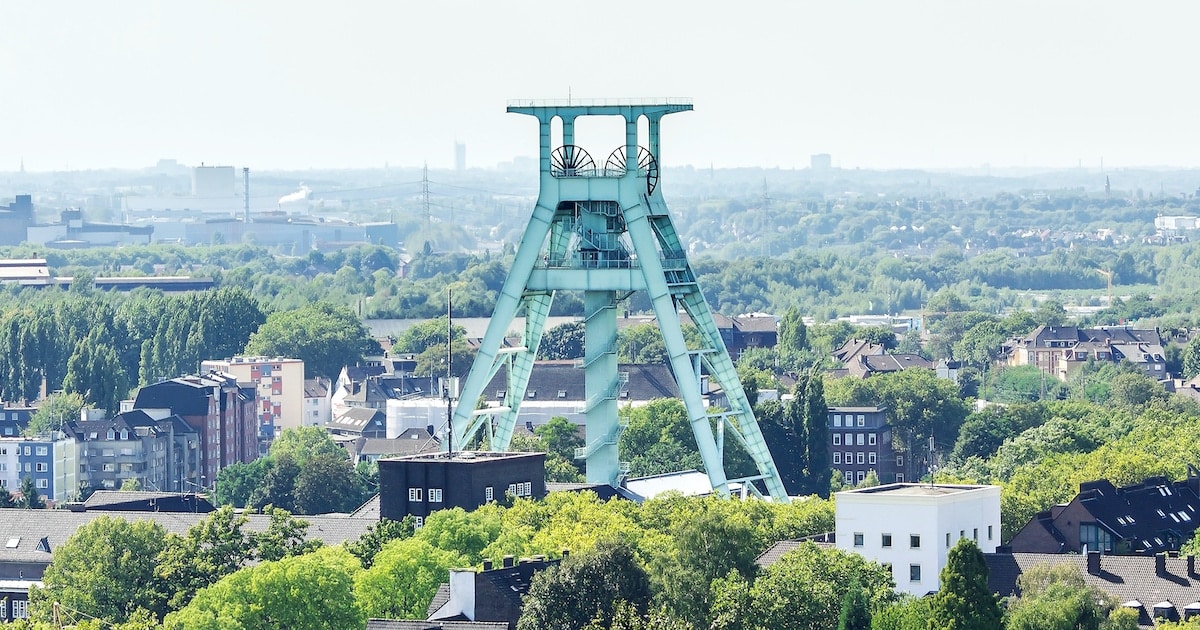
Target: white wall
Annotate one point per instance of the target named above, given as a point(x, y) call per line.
point(903, 510)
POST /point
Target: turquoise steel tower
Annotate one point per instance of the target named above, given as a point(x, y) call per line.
point(604, 230)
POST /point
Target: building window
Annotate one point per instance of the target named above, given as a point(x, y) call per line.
point(871, 439)
point(489, 494)
point(41, 467)
point(414, 494)
point(837, 420)
point(899, 460)
point(859, 457)
point(41, 450)
point(989, 532)
point(861, 475)
point(20, 608)
point(899, 477)
point(527, 489)
point(914, 541)
point(947, 540)
point(43, 483)
point(861, 439)
point(418, 522)
point(1092, 538)
point(435, 495)
point(858, 539)
point(27, 451)
point(837, 439)
point(837, 458)
point(849, 476)
point(871, 458)
point(862, 421)
point(914, 573)
point(886, 540)
point(112, 435)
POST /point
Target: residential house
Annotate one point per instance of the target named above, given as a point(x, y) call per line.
point(1061, 350)
point(923, 522)
point(14, 419)
point(28, 457)
point(739, 333)
point(31, 536)
point(159, 453)
point(1154, 516)
point(222, 413)
point(1159, 587)
point(417, 485)
point(492, 595)
point(359, 422)
point(318, 402)
point(279, 387)
point(372, 449)
point(860, 441)
point(864, 366)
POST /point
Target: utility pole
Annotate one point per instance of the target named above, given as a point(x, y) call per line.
point(446, 393)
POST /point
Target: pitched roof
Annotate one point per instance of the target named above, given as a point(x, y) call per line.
point(359, 420)
point(29, 526)
point(1126, 578)
point(147, 501)
point(317, 387)
point(1155, 515)
point(561, 380)
point(411, 442)
point(883, 363)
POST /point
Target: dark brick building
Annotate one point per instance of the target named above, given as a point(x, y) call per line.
point(421, 484)
point(860, 440)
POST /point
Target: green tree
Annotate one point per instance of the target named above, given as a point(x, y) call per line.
point(55, 411)
point(6, 498)
point(30, 498)
point(285, 536)
point(213, 548)
point(94, 371)
point(856, 613)
point(327, 483)
point(106, 570)
point(403, 578)
point(586, 588)
point(132, 484)
point(377, 535)
point(805, 588)
point(964, 602)
point(560, 436)
point(326, 337)
point(816, 433)
point(707, 546)
point(564, 341)
point(792, 342)
point(236, 482)
point(309, 592)
point(302, 444)
point(1191, 358)
point(1057, 598)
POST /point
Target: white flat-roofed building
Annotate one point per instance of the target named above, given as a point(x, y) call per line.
point(910, 527)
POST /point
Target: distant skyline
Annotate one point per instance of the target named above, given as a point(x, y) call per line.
point(877, 84)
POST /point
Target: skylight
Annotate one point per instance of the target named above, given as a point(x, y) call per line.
point(13, 542)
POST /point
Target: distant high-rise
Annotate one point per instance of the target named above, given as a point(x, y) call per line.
point(821, 162)
point(460, 156)
point(212, 181)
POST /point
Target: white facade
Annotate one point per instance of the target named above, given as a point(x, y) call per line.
point(279, 382)
point(912, 526)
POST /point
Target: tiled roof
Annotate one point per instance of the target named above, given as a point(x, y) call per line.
point(29, 526)
point(104, 498)
point(513, 582)
point(1155, 515)
point(561, 380)
point(316, 387)
point(439, 599)
point(359, 420)
point(368, 510)
point(410, 442)
point(777, 550)
point(894, 362)
point(1126, 578)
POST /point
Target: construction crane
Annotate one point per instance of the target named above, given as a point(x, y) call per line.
point(1109, 275)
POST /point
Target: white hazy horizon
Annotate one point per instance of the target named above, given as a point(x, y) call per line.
point(877, 84)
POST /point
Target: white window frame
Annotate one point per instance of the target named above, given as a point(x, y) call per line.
point(43, 483)
point(837, 419)
point(862, 420)
point(418, 522)
point(849, 476)
point(914, 569)
point(435, 495)
point(837, 457)
point(20, 609)
point(414, 494)
point(42, 451)
point(860, 440)
point(41, 467)
point(871, 458)
point(859, 458)
point(871, 439)
point(489, 494)
point(837, 439)
point(859, 539)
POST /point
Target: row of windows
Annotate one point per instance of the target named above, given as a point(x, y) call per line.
point(850, 439)
point(39, 467)
point(435, 494)
point(850, 457)
point(40, 450)
point(521, 489)
point(837, 420)
point(914, 540)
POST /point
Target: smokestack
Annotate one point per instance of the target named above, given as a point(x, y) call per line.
point(508, 562)
point(1191, 560)
point(1093, 563)
point(1160, 563)
point(487, 564)
point(246, 190)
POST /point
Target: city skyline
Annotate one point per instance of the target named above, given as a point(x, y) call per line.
point(878, 85)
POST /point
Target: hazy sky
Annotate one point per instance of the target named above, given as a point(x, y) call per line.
point(880, 84)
